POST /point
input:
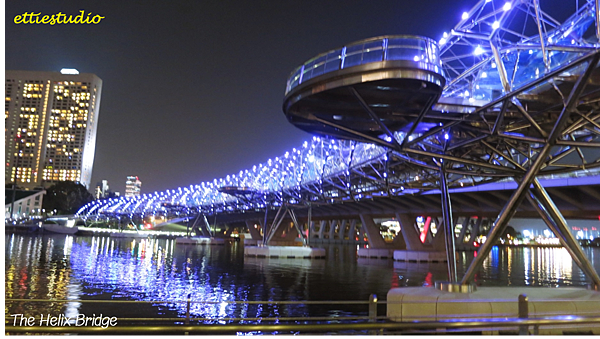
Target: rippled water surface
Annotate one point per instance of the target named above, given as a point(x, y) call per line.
point(79, 268)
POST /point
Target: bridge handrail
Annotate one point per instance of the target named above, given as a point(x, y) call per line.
point(382, 48)
point(375, 323)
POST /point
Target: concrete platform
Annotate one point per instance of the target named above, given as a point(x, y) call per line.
point(375, 253)
point(130, 235)
point(426, 303)
point(199, 241)
point(251, 242)
point(284, 252)
point(419, 256)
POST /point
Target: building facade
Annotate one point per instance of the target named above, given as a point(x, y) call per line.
point(102, 190)
point(133, 186)
point(22, 204)
point(50, 125)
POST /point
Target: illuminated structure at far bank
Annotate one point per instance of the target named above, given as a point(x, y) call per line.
point(133, 186)
point(51, 120)
point(489, 94)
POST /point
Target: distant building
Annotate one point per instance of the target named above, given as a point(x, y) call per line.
point(26, 203)
point(98, 192)
point(133, 186)
point(50, 127)
point(102, 190)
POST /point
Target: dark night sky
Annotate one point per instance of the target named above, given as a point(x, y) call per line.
point(193, 89)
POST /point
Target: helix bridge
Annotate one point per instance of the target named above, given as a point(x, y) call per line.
point(510, 93)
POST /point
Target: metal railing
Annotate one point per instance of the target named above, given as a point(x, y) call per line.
point(370, 324)
point(372, 309)
point(392, 47)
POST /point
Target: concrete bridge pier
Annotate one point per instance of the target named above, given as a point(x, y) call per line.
point(289, 233)
point(342, 230)
point(311, 229)
point(338, 231)
point(375, 239)
point(470, 229)
point(352, 231)
point(333, 224)
point(281, 240)
point(254, 232)
point(378, 248)
point(322, 225)
point(415, 249)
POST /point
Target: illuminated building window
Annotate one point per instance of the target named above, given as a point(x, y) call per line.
point(62, 117)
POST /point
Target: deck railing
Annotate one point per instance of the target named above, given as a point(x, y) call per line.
point(372, 323)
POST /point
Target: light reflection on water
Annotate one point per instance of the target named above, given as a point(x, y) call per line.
point(67, 267)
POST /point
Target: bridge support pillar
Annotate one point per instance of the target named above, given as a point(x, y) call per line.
point(415, 250)
point(322, 228)
point(448, 226)
point(332, 225)
point(399, 242)
point(253, 231)
point(409, 233)
point(291, 233)
point(352, 231)
point(311, 229)
point(342, 230)
point(375, 239)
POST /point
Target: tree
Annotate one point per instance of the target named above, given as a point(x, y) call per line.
point(9, 186)
point(66, 197)
point(510, 231)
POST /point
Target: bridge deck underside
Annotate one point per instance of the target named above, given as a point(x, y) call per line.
point(579, 202)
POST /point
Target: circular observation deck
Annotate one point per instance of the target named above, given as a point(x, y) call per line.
point(362, 88)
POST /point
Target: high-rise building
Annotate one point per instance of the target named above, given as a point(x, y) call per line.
point(50, 124)
point(133, 186)
point(102, 190)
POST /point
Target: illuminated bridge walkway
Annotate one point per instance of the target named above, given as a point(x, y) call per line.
point(510, 94)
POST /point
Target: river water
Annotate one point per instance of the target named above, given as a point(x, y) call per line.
point(102, 268)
